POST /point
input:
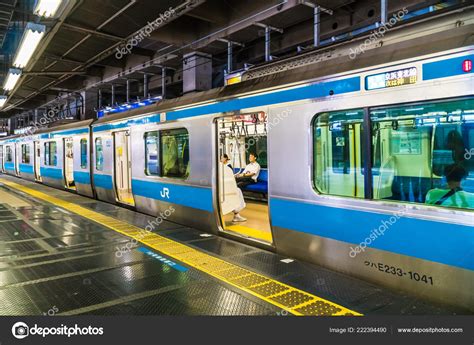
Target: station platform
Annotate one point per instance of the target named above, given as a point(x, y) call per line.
point(64, 254)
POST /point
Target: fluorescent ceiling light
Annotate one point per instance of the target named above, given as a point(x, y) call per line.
point(12, 79)
point(47, 8)
point(3, 100)
point(29, 42)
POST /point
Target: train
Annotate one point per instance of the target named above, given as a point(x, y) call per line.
point(349, 151)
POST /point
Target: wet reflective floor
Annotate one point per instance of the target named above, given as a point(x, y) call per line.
point(55, 262)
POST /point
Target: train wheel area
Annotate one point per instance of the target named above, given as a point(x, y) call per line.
point(63, 254)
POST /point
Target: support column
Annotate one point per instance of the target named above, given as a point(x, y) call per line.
point(113, 95)
point(128, 91)
point(91, 100)
point(268, 31)
point(317, 26)
point(229, 57)
point(383, 11)
point(145, 86)
point(163, 82)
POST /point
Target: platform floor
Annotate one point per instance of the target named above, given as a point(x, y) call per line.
point(56, 260)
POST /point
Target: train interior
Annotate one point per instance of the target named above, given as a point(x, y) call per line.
point(123, 168)
point(414, 147)
point(69, 163)
point(239, 136)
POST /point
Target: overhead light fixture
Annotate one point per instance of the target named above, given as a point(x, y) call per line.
point(47, 8)
point(12, 78)
point(3, 100)
point(28, 44)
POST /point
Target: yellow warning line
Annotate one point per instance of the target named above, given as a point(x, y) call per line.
point(286, 297)
point(250, 232)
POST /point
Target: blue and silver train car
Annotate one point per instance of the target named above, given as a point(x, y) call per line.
point(64, 157)
point(365, 163)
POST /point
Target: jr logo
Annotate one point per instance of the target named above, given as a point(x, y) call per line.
point(165, 193)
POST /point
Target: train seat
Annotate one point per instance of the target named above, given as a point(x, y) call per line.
point(412, 189)
point(262, 183)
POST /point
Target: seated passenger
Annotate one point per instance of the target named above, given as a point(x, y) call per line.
point(453, 195)
point(250, 174)
point(233, 199)
point(226, 161)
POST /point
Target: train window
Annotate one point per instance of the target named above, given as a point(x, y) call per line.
point(174, 149)
point(25, 154)
point(84, 153)
point(50, 153)
point(9, 154)
point(426, 153)
point(151, 154)
point(338, 160)
point(99, 154)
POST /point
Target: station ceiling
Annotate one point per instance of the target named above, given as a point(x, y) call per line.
point(79, 50)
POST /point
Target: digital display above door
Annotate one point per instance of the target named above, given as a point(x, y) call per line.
point(396, 78)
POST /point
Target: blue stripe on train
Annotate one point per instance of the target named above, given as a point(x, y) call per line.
point(53, 173)
point(446, 243)
point(299, 93)
point(445, 68)
point(103, 181)
point(26, 169)
point(9, 166)
point(82, 177)
point(190, 196)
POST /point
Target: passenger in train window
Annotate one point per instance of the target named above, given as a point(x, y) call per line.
point(453, 195)
point(455, 143)
point(250, 174)
point(226, 161)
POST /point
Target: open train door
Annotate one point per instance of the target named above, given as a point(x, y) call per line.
point(37, 160)
point(243, 209)
point(1, 159)
point(69, 164)
point(123, 168)
point(17, 158)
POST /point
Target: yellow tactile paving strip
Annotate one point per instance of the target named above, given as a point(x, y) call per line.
point(288, 298)
point(250, 232)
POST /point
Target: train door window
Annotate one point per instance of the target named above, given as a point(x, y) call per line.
point(84, 153)
point(174, 145)
point(151, 153)
point(243, 200)
point(338, 158)
point(25, 154)
point(99, 154)
point(425, 150)
point(50, 153)
point(123, 168)
point(9, 154)
point(69, 163)
point(37, 160)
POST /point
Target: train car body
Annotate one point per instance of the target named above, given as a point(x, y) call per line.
point(355, 159)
